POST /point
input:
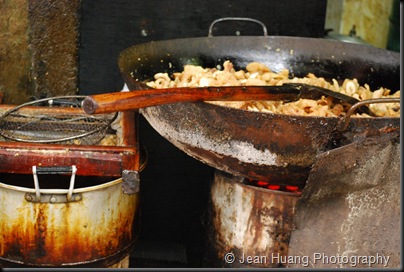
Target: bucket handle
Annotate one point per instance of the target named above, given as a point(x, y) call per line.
point(54, 170)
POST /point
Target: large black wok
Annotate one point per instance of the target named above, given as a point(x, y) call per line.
point(270, 147)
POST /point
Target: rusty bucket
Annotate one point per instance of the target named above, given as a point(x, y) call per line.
point(63, 220)
point(250, 227)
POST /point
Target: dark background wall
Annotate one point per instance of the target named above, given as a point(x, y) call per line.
point(175, 187)
point(107, 27)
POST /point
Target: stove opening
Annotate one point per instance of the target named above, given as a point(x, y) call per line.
point(273, 186)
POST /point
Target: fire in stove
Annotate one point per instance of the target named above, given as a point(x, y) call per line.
point(273, 186)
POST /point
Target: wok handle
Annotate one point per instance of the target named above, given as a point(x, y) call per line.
point(133, 100)
point(264, 28)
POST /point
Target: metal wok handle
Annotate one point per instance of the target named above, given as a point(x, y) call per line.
point(264, 28)
point(344, 121)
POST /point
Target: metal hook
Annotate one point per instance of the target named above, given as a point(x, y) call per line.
point(344, 121)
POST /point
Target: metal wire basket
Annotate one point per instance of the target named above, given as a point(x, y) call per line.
point(59, 120)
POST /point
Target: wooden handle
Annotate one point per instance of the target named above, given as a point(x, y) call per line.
point(123, 101)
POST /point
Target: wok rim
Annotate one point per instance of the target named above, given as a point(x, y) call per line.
point(350, 46)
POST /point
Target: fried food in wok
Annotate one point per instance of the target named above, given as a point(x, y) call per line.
point(259, 74)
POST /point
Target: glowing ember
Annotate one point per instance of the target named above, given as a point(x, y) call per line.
point(292, 188)
point(275, 187)
point(262, 183)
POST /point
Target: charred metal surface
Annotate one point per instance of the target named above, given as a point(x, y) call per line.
point(351, 206)
point(54, 44)
point(255, 144)
point(97, 231)
point(250, 144)
point(291, 175)
point(248, 221)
